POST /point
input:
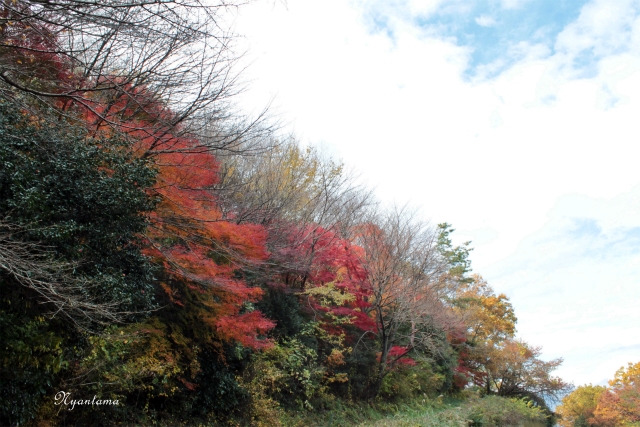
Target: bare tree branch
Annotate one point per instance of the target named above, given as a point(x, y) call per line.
point(57, 286)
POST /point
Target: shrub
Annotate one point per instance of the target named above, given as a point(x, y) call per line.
point(411, 381)
point(286, 374)
point(494, 411)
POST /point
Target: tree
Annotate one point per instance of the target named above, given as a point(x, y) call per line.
point(598, 406)
point(457, 256)
point(489, 321)
point(297, 195)
point(576, 409)
point(307, 205)
point(72, 209)
point(490, 318)
point(619, 405)
point(515, 370)
point(67, 52)
point(80, 138)
point(626, 376)
point(144, 72)
point(405, 274)
point(204, 257)
point(491, 357)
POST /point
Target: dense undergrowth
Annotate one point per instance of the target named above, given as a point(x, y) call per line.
point(463, 411)
point(439, 412)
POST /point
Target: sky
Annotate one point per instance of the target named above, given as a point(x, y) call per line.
point(516, 121)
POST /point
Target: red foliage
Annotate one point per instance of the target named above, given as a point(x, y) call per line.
point(204, 250)
point(334, 260)
point(397, 356)
point(245, 329)
point(187, 236)
point(398, 353)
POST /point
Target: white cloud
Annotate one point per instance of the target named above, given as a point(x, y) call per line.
point(485, 21)
point(574, 284)
point(425, 7)
point(604, 27)
point(513, 4)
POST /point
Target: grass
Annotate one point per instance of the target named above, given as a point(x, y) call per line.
point(441, 412)
point(421, 412)
point(448, 412)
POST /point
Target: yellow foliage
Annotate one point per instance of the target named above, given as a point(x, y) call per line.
point(328, 295)
point(579, 405)
point(336, 358)
point(141, 358)
point(619, 405)
point(489, 317)
point(628, 376)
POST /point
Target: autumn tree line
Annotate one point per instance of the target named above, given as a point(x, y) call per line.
point(161, 249)
point(601, 406)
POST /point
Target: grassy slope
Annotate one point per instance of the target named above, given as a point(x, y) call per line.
point(434, 413)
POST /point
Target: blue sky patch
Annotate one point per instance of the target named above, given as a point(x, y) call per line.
point(585, 227)
point(492, 31)
point(622, 241)
point(537, 21)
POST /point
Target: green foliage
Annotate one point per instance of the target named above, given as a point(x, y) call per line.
point(82, 197)
point(284, 309)
point(31, 358)
point(134, 359)
point(361, 365)
point(218, 390)
point(83, 200)
point(494, 411)
point(138, 361)
point(445, 363)
point(287, 373)
point(458, 257)
point(411, 381)
point(159, 374)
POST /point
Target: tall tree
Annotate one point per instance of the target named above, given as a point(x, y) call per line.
point(619, 405)
point(72, 210)
point(489, 320)
point(67, 52)
point(576, 409)
point(405, 273)
point(515, 370)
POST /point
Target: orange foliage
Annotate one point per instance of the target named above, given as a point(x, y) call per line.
point(187, 234)
point(620, 404)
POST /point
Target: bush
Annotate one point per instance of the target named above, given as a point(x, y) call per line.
point(75, 204)
point(411, 381)
point(287, 373)
point(494, 411)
